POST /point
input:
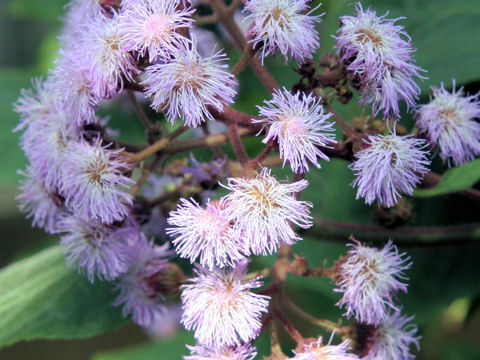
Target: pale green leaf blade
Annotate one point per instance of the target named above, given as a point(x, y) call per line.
point(41, 299)
point(454, 180)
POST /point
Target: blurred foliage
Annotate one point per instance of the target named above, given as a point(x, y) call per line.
point(40, 298)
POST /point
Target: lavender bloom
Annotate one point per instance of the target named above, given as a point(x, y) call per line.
point(45, 142)
point(286, 25)
point(138, 294)
point(316, 350)
point(36, 103)
point(186, 85)
point(150, 27)
point(392, 340)
point(389, 166)
point(379, 52)
point(72, 84)
point(369, 279)
point(264, 209)
point(94, 248)
point(299, 125)
point(42, 206)
point(448, 122)
point(91, 179)
point(243, 352)
point(109, 61)
point(206, 234)
point(219, 306)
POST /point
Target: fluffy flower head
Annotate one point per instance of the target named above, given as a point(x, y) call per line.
point(206, 234)
point(91, 181)
point(219, 306)
point(369, 279)
point(264, 209)
point(137, 292)
point(448, 122)
point(39, 204)
point(388, 166)
point(94, 248)
point(299, 124)
point(393, 339)
point(150, 26)
point(286, 25)
point(379, 52)
point(109, 61)
point(35, 103)
point(187, 84)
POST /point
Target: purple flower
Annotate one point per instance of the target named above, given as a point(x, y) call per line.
point(369, 279)
point(388, 166)
point(263, 211)
point(299, 125)
point(379, 52)
point(39, 204)
point(91, 181)
point(286, 25)
point(45, 142)
point(393, 339)
point(187, 84)
point(97, 249)
point(219, 306)
point(138, 294)
point(109, 61)
point(206, 234)
point(316, 350)
point(243, 352)
point(36, 103)
point(448, 122)
point(72, 84)
point(150, 27)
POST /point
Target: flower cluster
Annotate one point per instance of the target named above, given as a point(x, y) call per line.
point(119, 206)
point(255, 217)
point(379, 53)
point(369, 279)
point(448, 122)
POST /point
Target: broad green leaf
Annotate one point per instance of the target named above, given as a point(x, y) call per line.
point(171, 349)
point(41, 299)
point(454, 180)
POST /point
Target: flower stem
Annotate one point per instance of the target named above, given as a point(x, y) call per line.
point(237, 145)
point(157, 146)
point(225, 18)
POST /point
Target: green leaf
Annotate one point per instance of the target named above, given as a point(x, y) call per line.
point(171, 349)
point(41, 299)
point(454, 180)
